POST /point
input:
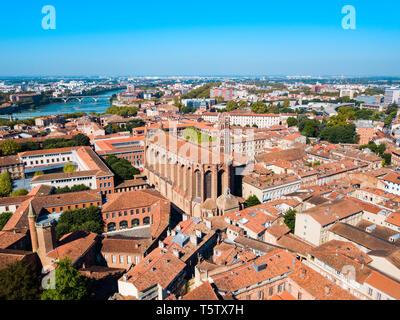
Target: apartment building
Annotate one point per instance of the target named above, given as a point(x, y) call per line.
point(135, 209)
point(249, 119)
point(13, 165)
point(276, 275)
point(226, 93)
point(90, 169)
point(155, 277)
point(129, 148)
point(313, 224)
point(347, 266)
point(268, 188)
point(392, 95)
point(124, 252)
point(391, 183)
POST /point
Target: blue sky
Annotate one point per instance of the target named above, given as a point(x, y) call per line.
point(222, 37)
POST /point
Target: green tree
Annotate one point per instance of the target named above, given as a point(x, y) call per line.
point(76, 141)
point(5, 184)
point(286, 103)
point(309, 127)
point(30, 146)
point(122, 111)
point(339, 134)
point(259, 107)
point(219, 99)
point(186, 110)
point(77, 220)
point(9, 147)
point(290, 219)
point(121, 167)
point(252, 201)
point(380, 150)
point(38, 173)
point(243, 104)
point(291, 122)
point(112, 98)
point(75, 188)
point(272, 108)
point(69, 285)
point(19, 281)
point(80, 140)
point(19, 192)
point(135, 123)
point(109, 129)
point(4, 217)
point(69, 167)
point(201, 92)
point(231, 105)
point(386, 159)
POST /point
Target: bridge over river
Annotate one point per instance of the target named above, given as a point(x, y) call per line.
point(81, 98)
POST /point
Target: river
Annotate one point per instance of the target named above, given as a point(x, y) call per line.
point(87, 105)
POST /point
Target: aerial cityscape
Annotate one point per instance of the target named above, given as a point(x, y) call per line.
point(197, 173)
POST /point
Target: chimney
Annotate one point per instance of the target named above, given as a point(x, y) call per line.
point(327, 290)
point(125, 277)
point(303, 273)
point(194, 239)
point(208, 224)
point(160, 244)
point(198, 233)
point(176, 252)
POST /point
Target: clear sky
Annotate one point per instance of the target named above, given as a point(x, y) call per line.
point(220, 37)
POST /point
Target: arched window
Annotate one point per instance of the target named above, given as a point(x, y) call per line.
point(123, 225)
point(197, 184)
point(221, 188)
point(111, 227)
point(207, 185)
point(146, 220)
point(135, 223)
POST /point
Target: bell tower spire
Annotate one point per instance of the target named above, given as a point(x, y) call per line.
point(32, 227)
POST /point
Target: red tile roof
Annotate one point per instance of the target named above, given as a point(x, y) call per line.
point(203, 292)
point(159, 267)
point(74, 245)
point(384, 284)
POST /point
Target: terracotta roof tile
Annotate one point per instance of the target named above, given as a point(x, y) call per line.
point(73, 245)
point(384, 283)
point(317, 285)
point(203, 292)
point(159, 267)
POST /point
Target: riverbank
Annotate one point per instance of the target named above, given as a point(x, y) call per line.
point(73, 106)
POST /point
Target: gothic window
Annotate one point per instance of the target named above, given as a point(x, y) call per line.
point(207, 185)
